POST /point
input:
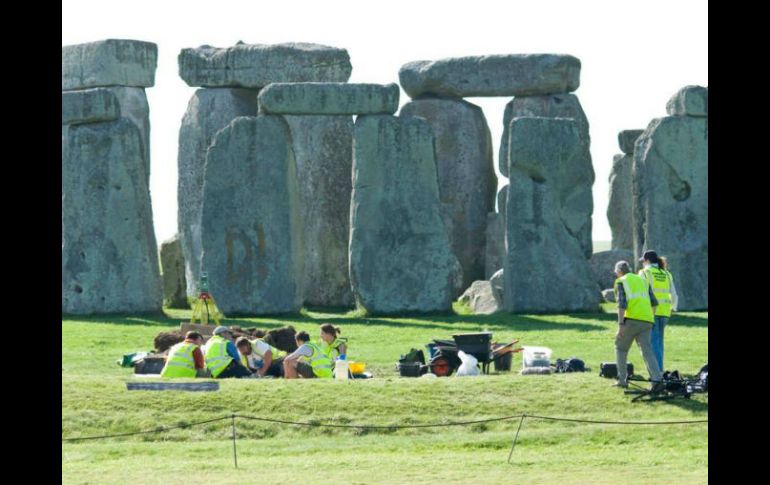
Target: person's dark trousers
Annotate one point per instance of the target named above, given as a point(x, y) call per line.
point(275, 369)
point(234, 369)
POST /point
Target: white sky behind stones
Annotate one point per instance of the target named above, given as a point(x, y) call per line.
point(634, 55)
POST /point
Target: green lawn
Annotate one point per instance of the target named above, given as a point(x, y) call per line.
point(95, 401)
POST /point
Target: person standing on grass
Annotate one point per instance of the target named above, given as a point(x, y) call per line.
point(636, 304)
point(331, 343)
point(185, 359)
point(661, 280)
point(308, 361)
point(260, 357)
point(222, 358)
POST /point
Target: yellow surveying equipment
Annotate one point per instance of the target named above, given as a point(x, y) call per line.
point(205, 308)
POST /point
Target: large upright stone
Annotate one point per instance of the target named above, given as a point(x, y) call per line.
point(545, 266)
point(689, 101)
point(578, 210)
point(670, 188)
point(111, 62)
point(208, 111)
point(627, 140)
point(251, 234)
point(466, 175)
point(88, 106)
point(257, 65)
point(109, 252)
point(323, 151)
point(172, 268)
point(400, 255)
point(502, 199)
point(495, 75)
point(329, 98)
point(620, 206)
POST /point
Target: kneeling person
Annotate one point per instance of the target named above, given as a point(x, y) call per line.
point(185, 359)
point(260, 357)
point(222, 358)
point(307, 361)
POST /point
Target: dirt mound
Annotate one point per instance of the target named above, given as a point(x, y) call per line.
point(282, 338)
point(165, 340)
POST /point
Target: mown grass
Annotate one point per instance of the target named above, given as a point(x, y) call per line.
point(95, 401)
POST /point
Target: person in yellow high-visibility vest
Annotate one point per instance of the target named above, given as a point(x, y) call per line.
point(260, 357)
point(661, 280)
point(331, 343)
point(185, 359)
point(636, 310)
point(308, 361)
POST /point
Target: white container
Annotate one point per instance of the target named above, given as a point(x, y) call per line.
point(341, 370)
point(536, 357)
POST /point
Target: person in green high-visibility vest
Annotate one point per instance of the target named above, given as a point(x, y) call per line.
point(657, 275)
point(636, 310)
point(308, 361)
point(222, 358)
point(331, 343)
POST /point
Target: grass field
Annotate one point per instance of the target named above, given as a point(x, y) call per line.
point(95, 402)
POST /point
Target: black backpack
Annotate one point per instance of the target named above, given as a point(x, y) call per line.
point(573, 364)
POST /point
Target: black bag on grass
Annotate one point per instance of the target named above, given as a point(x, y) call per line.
point(610, 369)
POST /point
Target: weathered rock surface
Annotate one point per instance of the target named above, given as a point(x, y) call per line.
point(608, 295)
point(670, 188)
point(323, 151)
point(689, 101)
point(257, 65)
point(400, 255)
point(545, 267)
point(627, 139)
point(329, 98)
point(88, 106)
point(208, 111)
point(482, 298)
point(111, 62)
point(172, 268)
point(603, 265)
point(494, 253)
point(495, 75)
point(620, 206)
point(251, 235)
point(466, 176)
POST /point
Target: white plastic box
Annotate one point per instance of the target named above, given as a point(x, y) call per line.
point(536, 357)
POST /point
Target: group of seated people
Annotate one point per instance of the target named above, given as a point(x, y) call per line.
point(223, 356)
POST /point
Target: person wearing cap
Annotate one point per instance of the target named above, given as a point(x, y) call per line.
point(260, 357)
point(222, 358)
point(656, 273)
point(636, 304)
point(185, 359)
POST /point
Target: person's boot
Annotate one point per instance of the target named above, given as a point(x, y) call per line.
point(622, 385)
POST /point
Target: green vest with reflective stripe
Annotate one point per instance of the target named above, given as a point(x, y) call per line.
point(638, 306)
point(332, 350)
point(661, 286)
point(216, 355)
point(180, 361)
point(319, 361)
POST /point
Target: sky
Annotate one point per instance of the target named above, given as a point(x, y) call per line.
point(634, 55)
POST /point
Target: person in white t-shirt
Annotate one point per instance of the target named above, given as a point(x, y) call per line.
point(260, 357)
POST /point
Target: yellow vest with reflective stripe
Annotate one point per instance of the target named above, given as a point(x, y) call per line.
point(332, 350)
point(216, 355)
point(180, 361)
point(661, 285)
point(319, 361)
point(638, 305)
point(277, 354)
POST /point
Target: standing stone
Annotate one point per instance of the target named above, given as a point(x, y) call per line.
point(482, 298)
point(251, 235)
point(109, 252)
point(494, 253)
point(323, 152)
point(172, 267)
point(603, 265)
point(208, 111)
point(495, 75)
point(466, 175)
point(502, 200)
point(545, 266)
point(670, 187)
point(257, 65)
point(689, 101)
point(329, 98)
point(110, 62)
point(400, 255)
point(134, 106)
point(577, 212)
point(619, 208)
